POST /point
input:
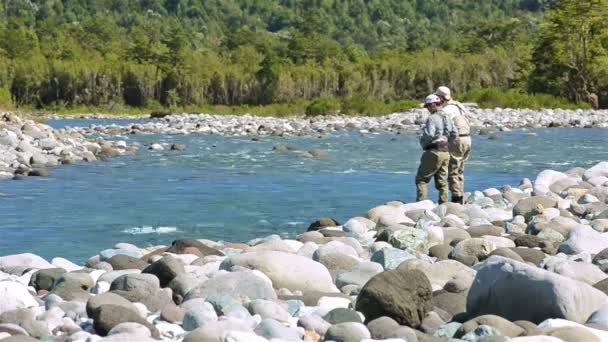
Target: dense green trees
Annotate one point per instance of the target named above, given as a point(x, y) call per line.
point(181, 53)
point(571, 57)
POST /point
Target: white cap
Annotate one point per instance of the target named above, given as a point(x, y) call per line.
point(432, 99)
point(444, 92)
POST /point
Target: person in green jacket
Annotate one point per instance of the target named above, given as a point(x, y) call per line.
point(438, 129)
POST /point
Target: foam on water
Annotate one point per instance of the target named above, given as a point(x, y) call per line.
point(294, 223)
point(150, 230)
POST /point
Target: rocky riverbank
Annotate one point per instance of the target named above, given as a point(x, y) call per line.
point(28, 147)
point(521, 263)
point(408, 122)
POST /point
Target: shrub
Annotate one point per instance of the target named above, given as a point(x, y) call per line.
point(6, 101)
point(514, 98)
point(323, 106)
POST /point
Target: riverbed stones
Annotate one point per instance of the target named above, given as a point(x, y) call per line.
point(516, 291)
point(386, 294)
point(286, 270)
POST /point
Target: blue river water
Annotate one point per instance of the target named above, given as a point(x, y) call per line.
point(236, 189)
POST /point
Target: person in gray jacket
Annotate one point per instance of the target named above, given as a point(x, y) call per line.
point(436, 156)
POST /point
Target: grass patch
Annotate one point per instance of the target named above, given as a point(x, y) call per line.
point(514, 98)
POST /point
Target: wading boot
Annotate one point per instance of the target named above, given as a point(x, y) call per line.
point(458, 199)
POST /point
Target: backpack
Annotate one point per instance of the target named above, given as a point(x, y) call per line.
point(460, 121)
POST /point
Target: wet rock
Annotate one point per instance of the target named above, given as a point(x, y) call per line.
point(322, 223)
point(182, 246)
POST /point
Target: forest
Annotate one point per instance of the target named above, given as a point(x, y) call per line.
point(320, 54)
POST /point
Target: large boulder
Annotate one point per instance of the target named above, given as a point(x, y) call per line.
point(387, 214)
point(411, 238)
point(142, 288)
point(474, 247)
point(440, 273)
point(108, 316)
point(46, 279)
point(108, 298)
point(322, 223)
point(545, 179)
point(583, 238)
point(581, 271)
point(125, 262)
point(526, 206)
point(286, 270)
point(165, 269)
point(360, 275)
point(517, 291)
point(183, 246)
point(24, 261)
point(404, 296)
point(14, 296)
point(241, 286)
point(598, 170)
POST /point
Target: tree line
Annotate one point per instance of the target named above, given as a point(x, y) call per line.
point(180, 53)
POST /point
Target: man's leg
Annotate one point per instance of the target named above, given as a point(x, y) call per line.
point(426, 170)
point(441, 176)
point(458, 155)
